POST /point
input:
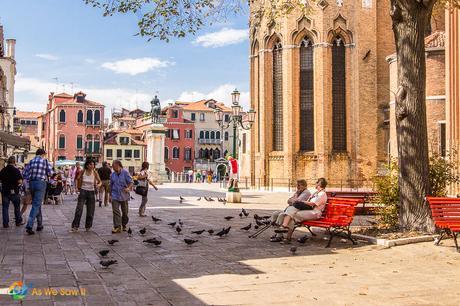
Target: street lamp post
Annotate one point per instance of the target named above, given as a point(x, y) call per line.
point(236, 119)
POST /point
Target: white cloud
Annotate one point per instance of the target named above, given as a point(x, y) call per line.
point(34, 94)
point(46, 56)
point(220, 94)
point(89, 60)
point(222, 38)
point(134, 66)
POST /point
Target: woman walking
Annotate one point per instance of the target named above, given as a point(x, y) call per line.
point(87, 182)
point(144, 182)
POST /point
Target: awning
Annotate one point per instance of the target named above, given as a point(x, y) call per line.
point(14, 141)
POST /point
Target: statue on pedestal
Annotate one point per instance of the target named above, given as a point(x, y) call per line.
point(156, 110)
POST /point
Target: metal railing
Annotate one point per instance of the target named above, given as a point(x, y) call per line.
point(208, 141)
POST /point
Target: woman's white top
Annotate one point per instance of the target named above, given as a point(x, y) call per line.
point(87, 182)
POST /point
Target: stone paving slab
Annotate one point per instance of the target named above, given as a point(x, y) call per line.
point(234, 270)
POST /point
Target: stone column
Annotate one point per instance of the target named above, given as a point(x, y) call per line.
point(155, 138)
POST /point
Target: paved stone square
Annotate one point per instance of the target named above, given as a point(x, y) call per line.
point(234, 270)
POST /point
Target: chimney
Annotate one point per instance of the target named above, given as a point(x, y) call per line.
point(10, 48)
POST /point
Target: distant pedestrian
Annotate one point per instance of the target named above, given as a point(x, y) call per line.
point(37, 174)
point(87, 183)
point(104, 174)
point(121, 184)
point(11, 179)
point(144, 181)
point(190, 176)
point(75, 174)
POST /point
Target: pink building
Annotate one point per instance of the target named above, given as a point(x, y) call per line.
point(72, 127)
point(180, 140)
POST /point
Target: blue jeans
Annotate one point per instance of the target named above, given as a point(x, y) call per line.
point(37, 189)
point(6, 198)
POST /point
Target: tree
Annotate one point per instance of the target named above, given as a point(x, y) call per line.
point(164, 19)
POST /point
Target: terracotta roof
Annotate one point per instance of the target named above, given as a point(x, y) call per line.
point(72, 99)
point(435, 40)
point(126, 118)
point(201, 106)
point(27, 115)
point(131, 131)
point(138, 142)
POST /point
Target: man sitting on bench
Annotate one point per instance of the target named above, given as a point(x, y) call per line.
point(302, 194)
point(302, 210)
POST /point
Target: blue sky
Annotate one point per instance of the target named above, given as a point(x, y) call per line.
point(101, 56)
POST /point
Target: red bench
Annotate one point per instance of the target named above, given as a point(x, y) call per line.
point(446, 216)
point(337, 217)
point(366, 198)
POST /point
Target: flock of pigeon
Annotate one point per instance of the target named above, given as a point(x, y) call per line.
point(178, 225)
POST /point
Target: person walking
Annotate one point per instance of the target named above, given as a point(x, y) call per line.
point(87, 183)
point(121, 184)
point(104, 174)
point(144, 181)
point(37, 174)
point(11, 179)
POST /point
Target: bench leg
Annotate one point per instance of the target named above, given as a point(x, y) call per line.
point(331, 236)
point(454, 235)
point(441, 236)
point(351, 238)
point(309, 229)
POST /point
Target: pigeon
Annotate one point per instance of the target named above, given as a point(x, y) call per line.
point(244, 212)
point(293, 250)
point(153, 241)
point(256, 217)
point(142, 231)
point(199, 199)
point(256, 227)
point(107, 263)
point(172, 224)
point(180, 222)
point(198, 232)
point(180, 197)
point(221, 233)
point(247, 227)
point(130, 232)
point(113, 241)
point(155, 219)
point(227, 230)
point(211, 231)
point(207, 199)
point(228, 218)
point(104, 253)
point(178, 230)
point(190, 241)
point(211, 199)
point(240, 214)
point(259, 223)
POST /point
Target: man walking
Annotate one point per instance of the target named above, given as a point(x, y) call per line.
point(11, 179)
point(104, 174)
point(37, 174)
point(120, 186)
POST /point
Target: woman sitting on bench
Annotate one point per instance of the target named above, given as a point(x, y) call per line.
point(300, 211)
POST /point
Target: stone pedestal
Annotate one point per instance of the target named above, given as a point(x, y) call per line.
point(155, 139)
point(233, 197)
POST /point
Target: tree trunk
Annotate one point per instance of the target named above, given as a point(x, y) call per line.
point(410, 18)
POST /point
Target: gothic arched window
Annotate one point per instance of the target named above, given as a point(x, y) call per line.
point(213, 135)
point(277, 97)
point(89, 116)
point(166, 153)
point(62, 116)
point(80, 116)
point(97, 116)
point(307, 129)
point(339, 112)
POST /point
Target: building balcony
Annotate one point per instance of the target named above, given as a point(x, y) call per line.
point(93, 151)
point(209, 141)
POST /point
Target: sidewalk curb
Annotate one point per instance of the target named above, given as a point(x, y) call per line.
point(395, 242)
